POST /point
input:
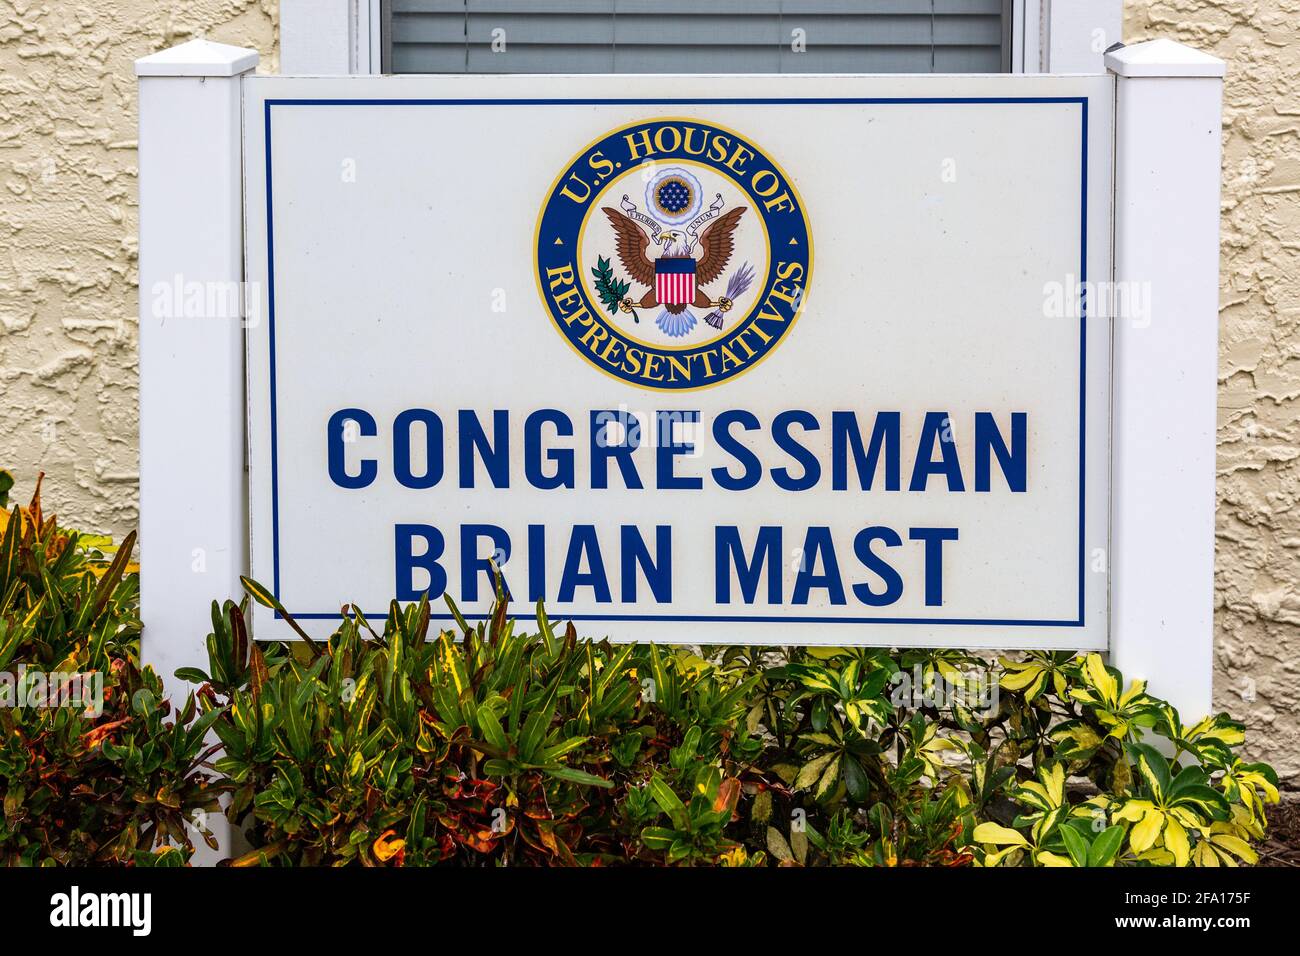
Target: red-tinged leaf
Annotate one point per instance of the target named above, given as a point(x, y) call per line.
point(239, 637)
point(258, 675)
point(388, 846)
point(728, 795)
point(95, 737)
point(546, 833)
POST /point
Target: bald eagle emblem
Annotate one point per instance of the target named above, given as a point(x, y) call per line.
point(672, 254)
point(675, 249)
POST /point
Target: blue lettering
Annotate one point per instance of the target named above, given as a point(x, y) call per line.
point(337, 453)
point(407, 561)
point(729, 552)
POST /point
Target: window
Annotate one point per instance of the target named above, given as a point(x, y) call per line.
point(697, 36)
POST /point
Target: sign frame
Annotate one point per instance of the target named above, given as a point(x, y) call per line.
point(1092, 97)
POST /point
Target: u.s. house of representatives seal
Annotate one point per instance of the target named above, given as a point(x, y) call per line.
point(673, 254)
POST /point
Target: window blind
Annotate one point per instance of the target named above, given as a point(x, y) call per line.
point(697, 36)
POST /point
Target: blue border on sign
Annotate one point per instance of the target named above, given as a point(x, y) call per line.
point(1082, 101)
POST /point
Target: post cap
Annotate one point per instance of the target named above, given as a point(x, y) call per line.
point(1163, 58)
point(198, 58)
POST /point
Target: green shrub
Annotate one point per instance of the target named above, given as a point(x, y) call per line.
point(1167, 793)
point(112, 782)
point(483, 745)
point(402, 744)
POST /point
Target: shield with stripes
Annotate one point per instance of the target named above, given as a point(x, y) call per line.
point(675, 280)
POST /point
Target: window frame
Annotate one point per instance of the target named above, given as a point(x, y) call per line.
point(339, 37)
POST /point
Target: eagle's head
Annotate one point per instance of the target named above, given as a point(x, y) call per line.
point(676, 243)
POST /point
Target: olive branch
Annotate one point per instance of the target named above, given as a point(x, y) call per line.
point(611, 291)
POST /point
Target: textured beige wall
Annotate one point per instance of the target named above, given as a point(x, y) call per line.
point(68, 397)
point(1257, 576)
point(68, 295)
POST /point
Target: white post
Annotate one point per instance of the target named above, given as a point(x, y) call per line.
point(329, 37)
point(1167, 155)
point(1070, 36)
point(193, 540)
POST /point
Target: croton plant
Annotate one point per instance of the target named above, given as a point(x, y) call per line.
point(511, 741)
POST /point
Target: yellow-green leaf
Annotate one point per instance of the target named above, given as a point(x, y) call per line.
point(999, 835)
point(1144, 833)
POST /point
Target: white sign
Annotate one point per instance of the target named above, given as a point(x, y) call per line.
point(780, 360)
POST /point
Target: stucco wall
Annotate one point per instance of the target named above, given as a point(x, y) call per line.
point(68, 328)
point(1257, 576)
point(68, 306)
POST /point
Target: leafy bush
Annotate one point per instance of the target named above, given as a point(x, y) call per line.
point(1151, 807)
point(483, 745)
point(398, 743)
point(108, 781)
